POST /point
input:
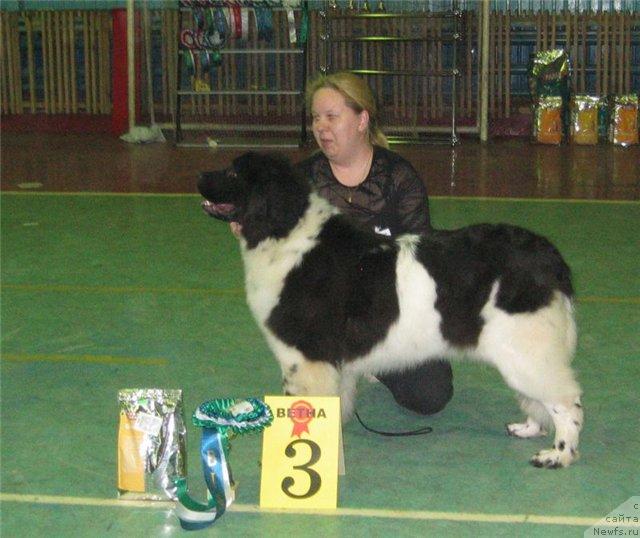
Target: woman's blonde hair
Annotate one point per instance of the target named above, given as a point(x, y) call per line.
point(357, 95)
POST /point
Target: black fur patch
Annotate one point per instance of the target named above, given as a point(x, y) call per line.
point(341, 300)
point(465, 263)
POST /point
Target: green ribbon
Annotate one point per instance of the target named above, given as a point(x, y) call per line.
point(221, 419)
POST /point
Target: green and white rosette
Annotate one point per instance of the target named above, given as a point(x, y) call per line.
point(220, 420)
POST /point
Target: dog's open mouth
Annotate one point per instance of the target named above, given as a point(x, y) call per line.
point(219, 211)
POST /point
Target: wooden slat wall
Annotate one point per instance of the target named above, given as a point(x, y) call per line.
point(44, 75)
point(566, 30)
point(613, 34)
point(40, 70)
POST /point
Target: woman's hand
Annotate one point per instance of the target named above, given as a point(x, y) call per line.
point(236, 228)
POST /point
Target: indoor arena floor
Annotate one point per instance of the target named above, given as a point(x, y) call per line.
point(112, 277)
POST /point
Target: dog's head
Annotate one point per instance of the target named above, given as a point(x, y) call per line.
point(260, 191)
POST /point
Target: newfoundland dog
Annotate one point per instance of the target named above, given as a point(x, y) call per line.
point(335, 301)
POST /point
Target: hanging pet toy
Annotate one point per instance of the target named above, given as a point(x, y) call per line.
point(221, 420)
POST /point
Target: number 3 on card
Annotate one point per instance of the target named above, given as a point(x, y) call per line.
point(300, 453)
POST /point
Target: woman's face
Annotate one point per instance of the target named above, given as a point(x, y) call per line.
point(337, 128)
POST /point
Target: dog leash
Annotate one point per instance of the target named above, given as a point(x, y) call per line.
point(419, 431)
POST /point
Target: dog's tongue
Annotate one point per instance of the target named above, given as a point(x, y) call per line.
point(213, 209)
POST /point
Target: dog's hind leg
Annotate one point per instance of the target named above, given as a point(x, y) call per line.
point(533, 352)
point(553, 392)
point(567, 418)
point(537, 420)
point(556, 399)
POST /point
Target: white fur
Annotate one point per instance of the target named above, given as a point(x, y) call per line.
point(532, 351)
point(267, 265)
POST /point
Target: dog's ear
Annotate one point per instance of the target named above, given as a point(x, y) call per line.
point(277, 200)
point(256, 167)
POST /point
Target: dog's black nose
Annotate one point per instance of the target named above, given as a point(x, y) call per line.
point(205, 181)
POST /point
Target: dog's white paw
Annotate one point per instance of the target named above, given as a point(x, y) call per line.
point(554, 458)
point(526, 430)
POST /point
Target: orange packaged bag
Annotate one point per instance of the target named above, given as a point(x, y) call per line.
point(548, 120)
point(151, 443)
point(584, 120)
point(623, 127)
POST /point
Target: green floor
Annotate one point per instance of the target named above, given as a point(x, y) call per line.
point(103, 292)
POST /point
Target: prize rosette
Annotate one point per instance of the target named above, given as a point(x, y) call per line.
point(221, 420)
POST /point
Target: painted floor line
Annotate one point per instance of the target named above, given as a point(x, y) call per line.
point(229, 291)
point(96, 359)
point(609, 300)
point(421, 515)
point(119, 289)
point(434, 197)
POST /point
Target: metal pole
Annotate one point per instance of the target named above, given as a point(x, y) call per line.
point(455, 71)
point(177, 110)
point(484, 73)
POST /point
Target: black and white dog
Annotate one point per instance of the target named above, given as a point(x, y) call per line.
point(336, 302)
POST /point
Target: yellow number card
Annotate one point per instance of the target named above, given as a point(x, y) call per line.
point(300, 453)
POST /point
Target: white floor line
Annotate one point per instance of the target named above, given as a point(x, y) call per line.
point(339, 512)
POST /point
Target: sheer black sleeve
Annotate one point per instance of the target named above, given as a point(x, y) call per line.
point(412, 200)
point(392, 200)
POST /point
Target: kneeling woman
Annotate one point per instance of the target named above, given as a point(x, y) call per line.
point(357, 172)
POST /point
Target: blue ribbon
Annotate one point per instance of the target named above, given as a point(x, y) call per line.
point(220, 24)
point(220, 419)
point(217, 475)
point(264, 23)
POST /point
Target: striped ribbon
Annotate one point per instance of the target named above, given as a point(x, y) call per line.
point(237, 21)
point(221, 24)
point(219, 419)
point(244, 18)
point(217, 474)
point(264, 23)
point(292, 25)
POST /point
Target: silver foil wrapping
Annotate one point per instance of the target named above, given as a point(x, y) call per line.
point(151, 443)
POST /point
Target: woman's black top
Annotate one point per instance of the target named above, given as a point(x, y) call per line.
point(390, 201)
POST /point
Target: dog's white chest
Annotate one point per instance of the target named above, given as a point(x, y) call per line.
point(265, 274)
point(267, 265)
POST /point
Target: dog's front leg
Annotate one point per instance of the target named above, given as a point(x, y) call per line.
point(304, 377)
point(321, 379)
point(348, 382)
point(310, 378)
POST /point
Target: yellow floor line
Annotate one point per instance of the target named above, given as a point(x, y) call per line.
point(609, 300)
point(422, 515)
point(120, 289)
point(229, 291)
point(101, 193)
point(435, 197)
point(98, 359)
